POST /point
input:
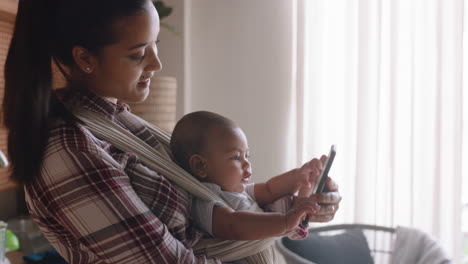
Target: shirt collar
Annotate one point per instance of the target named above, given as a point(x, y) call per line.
point(83, 98)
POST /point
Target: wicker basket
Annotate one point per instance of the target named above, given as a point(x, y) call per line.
point(160, 106)
point(380, 241)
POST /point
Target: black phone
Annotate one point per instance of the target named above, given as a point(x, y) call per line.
point(320, 186)
point(324, 174)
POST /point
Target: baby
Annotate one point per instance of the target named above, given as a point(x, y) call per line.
point(214, 149)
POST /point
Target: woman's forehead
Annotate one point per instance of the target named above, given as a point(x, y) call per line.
point(132, 31)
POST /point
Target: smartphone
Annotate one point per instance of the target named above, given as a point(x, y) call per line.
point(324, 174)
point(320, 185)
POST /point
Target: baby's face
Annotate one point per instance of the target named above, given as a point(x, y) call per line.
point(227, 155)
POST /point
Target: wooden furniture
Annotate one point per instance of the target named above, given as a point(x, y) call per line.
point(160, 107)
point(15, 257)
point(8, 9)
point(335, 243)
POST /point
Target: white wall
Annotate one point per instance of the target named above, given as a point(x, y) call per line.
point(171, 49)
point(239, 64)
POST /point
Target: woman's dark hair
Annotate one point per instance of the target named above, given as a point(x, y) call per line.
point(47, 30)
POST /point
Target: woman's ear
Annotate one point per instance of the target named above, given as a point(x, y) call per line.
point(198, 166)
point(84, 59)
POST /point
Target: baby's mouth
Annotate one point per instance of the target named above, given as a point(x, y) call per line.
point(246, 177)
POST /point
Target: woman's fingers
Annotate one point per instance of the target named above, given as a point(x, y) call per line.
point(328, 198)
point(326, 213)
point(321, 218)
point(331, 185)
point(329, 204)
point(329, 201)
point(326, 209)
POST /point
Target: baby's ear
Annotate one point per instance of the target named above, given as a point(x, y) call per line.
point(198, 166)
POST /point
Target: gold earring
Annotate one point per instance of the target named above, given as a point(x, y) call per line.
point(88, 69)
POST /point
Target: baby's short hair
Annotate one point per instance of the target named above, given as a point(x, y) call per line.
point(191, 134)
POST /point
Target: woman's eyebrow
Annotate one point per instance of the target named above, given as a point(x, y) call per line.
point(138, 46)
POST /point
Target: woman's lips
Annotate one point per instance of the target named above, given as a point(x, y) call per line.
point(144, 83)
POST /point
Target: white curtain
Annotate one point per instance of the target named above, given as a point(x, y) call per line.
point(382, 79)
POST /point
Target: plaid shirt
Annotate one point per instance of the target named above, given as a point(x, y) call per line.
point(97, 204)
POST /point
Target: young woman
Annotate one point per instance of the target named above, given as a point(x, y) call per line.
point(93, 202)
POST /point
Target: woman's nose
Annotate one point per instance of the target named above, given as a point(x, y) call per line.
point(154, 63)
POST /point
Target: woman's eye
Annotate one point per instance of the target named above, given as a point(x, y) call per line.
point(236, 157)
point(137, 57)
point(247, 156)
point(140, 57)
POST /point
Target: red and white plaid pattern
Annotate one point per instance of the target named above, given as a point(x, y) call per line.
point(97, 204)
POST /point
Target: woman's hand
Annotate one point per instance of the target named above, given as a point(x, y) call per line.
point(329, 202)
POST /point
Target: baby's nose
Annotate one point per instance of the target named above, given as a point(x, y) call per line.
point(246, 164)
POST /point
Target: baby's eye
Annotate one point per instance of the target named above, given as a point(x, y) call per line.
point(247, 156)
point(236, 157)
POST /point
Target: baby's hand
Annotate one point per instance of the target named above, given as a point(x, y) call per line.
point(302, 207)
point(306, 176)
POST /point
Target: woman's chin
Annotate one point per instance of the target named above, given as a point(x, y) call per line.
point(138, 97)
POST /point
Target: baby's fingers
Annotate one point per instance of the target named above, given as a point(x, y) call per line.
point(308, 206)
point(303, 210)
point(313, 168)
point(313, 210)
